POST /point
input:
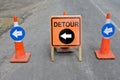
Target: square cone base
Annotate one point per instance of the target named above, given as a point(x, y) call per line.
point(23, 59)
point(104, 56)
point(67, 50)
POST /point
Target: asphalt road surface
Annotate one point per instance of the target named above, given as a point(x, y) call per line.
point(66, 66)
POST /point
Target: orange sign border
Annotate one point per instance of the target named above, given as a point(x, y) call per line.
point(67, 17)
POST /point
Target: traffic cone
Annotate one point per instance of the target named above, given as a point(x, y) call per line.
point(20, 55)
point(105, 52)
point(108, 18)
point(65, 13)
point(64, 49)
point(15, 21)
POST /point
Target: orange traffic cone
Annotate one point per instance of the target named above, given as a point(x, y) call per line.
point(15, 21)
point(65, 13)
point(20, 55)
point(105, 52)
point(108, 18)
point(64, 49)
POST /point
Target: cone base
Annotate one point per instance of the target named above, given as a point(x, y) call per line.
point(64, 50)
point(20, 60)
point(104, 56)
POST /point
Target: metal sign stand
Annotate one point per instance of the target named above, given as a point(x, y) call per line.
point(52, 54)
point(80, 53)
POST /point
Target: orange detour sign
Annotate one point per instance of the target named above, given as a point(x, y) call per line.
point(65, 31)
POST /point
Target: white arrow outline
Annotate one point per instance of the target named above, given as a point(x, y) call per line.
point(17, 33)
point(108, 30)
point(65, 36)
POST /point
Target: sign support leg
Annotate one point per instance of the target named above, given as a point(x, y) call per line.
point(52, 54)
point(80, 54)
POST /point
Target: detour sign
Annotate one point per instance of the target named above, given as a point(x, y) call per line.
point(66, 30)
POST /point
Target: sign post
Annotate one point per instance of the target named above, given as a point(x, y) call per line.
point(66, 32)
